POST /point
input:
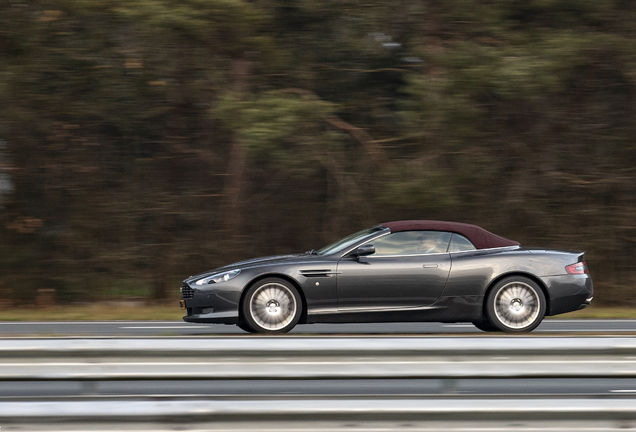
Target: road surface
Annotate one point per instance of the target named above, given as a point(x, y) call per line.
point(179, 328)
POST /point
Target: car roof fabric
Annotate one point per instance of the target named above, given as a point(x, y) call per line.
point(478, 236)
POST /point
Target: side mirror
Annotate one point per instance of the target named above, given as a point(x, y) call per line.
point(364, 250)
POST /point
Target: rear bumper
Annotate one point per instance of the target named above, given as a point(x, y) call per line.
point(568, 293)
point(586, 303)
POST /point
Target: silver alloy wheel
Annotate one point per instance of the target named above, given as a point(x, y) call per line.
point(273, 306)
point(517, 305)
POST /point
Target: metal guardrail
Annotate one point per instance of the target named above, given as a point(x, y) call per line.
point(455, 409)
point(410, 415)
point(317, 345)
point(316, 358)
point(87, 360)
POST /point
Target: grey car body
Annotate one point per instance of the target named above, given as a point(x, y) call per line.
point(380, 276)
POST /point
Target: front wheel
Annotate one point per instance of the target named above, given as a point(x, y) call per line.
point(272, 305)
point(515, 305)
point(485, 326)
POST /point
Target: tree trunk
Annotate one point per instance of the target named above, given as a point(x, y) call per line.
point(233, 188)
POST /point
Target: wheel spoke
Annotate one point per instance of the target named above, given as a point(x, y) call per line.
point(273, 306)
point(517, 305)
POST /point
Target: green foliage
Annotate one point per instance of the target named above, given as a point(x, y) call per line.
point(126, 289)
point(224, 23)
point(278, 128)
point(423, 191)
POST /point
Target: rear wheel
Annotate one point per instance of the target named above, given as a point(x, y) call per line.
point(515, 305)
point(272, 305)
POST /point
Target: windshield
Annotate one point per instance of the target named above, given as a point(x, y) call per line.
point(346, 242)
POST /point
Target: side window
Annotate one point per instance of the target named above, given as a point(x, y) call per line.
point(412, 243)
point(460, 243)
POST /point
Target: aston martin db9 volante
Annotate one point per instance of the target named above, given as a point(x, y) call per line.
point(396, 272)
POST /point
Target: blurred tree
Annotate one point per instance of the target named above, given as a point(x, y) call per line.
point(150, 139)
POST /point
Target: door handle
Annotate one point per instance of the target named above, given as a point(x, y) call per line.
point(430, 266)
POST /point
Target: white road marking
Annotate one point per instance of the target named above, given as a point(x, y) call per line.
point(164, 327)
point(540, 330)
point(587, 320)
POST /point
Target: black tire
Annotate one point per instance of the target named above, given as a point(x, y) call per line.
point(271, 306)
point(515, 304)
point(485, 326)
point(243, 326)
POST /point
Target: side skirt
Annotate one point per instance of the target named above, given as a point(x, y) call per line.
point(446, 309)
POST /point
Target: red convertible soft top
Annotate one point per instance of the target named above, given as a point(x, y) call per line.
point(478, 236)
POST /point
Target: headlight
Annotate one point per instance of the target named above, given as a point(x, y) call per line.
point(218, 278)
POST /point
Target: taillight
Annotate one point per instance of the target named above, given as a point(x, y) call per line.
point(577, 268)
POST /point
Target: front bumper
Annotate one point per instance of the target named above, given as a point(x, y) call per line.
point(211, 317)
point(212, 305)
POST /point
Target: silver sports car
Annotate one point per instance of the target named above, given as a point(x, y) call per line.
point(396, 272)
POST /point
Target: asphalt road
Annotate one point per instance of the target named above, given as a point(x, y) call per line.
point(178, 328)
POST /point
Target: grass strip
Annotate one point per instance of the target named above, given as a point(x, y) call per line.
point(107, 311)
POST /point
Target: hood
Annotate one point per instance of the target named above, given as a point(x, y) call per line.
point(255, 262)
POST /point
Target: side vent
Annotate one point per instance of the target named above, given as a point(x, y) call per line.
point(317, 273)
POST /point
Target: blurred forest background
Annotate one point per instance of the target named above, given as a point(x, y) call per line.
point(142, 141)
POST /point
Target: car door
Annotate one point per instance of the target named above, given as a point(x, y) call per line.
point(408, 269)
